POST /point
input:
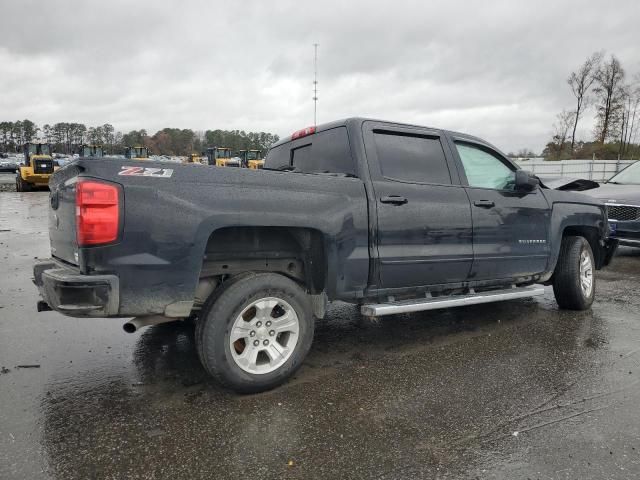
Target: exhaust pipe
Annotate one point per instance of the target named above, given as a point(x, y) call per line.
point(137, 323)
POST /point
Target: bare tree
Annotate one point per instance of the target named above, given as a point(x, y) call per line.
point(609, 97)
point(629, 114)
point(561, 127)
point(580, 82)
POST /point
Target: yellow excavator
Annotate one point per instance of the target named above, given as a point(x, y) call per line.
point(251, 159)
point(37, 168)
point(137, 153)
point(221, 157)
point(92, 151)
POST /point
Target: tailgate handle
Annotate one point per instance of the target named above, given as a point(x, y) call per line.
point(484, 203)
point(394, 200)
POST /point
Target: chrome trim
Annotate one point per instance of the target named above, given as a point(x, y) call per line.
point(627, 242)
point(409, 306)
point(621, 205)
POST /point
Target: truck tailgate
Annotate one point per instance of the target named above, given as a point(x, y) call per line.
point(62, 212)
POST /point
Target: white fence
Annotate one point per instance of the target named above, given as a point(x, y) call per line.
point(598, 170)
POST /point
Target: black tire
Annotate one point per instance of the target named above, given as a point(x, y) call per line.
point(567, 281)
point(217, 319)
point(21, 185)
point(200, 321)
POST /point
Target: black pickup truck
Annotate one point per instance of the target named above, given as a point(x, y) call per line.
point(396, 218)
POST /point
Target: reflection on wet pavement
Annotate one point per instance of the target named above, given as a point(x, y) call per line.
point(511, 390)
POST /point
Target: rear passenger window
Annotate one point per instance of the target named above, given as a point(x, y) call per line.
point(411, 158)
point(323, 152)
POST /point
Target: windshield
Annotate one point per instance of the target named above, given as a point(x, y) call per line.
point(140, 152)
point(253, 155)
point(223, 153)
point(630, 175)
point(39, 149)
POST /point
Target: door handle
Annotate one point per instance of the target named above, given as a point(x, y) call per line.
point(394, 200)
point(484, 203)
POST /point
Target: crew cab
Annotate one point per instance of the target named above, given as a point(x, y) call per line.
point(395, 218)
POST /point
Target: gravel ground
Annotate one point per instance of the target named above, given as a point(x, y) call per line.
point(7, 182)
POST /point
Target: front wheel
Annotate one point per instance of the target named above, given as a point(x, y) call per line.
point(574, 284)
point(21, 185)
point(256, 333)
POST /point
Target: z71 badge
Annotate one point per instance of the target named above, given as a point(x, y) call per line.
point(146, 172)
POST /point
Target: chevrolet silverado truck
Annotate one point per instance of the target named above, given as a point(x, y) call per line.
point(395, 218)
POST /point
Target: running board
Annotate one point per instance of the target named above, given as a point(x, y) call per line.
point(434, 303)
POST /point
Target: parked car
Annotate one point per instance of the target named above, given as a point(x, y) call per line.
point(8, 164)
point(396, 218)
point(621, 194)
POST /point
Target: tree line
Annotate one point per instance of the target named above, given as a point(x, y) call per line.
point(68, 137)
point(599, 86)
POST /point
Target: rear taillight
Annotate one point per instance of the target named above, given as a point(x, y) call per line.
point(97, 212)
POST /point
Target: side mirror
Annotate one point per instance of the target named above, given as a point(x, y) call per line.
point(525, 182)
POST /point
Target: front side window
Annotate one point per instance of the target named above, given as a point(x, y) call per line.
point(484, 169)
point(411, 158)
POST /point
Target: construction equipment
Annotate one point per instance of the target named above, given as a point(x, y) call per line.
point(137, 153)
point(91, 151)
point(221, 157)
point(251, 159)
point(194, 158)
point(37, 168)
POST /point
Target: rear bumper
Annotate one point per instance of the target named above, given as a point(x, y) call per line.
point(65, 290)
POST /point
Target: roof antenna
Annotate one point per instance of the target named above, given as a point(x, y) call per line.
point(315, 83)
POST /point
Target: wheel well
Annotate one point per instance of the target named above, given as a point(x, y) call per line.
point(592, 235)
point(295, 252)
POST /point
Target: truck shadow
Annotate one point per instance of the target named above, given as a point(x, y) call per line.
point(165, 354)
point(457, 370)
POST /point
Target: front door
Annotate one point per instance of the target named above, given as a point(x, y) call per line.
point(423, 214)
point(510, 228)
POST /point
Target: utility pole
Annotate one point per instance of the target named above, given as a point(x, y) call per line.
point(315, 84)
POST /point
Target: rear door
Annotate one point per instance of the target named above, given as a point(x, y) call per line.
point(423, 213)
point(510, 228)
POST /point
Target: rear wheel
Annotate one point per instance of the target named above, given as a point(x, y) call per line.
point(256, 333)
point(574, 283)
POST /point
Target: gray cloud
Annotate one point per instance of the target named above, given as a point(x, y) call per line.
point(495, 69)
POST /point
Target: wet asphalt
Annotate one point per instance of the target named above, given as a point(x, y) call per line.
point(517, 389)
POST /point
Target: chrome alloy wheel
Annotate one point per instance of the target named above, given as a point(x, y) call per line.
point(264, 335)
point(586, 274)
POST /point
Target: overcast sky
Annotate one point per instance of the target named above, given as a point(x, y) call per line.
point(494, 69)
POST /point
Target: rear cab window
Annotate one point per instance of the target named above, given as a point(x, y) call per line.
point(327, 151)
